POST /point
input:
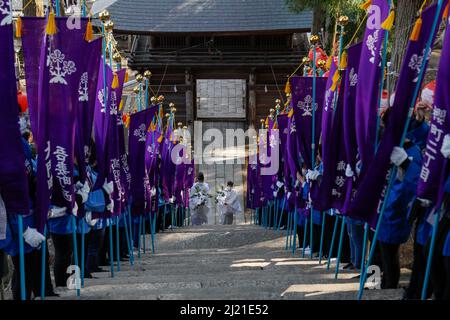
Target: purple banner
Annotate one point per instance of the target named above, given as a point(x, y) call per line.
point(370, 74)
point(33, 30)
point(167, 165)
point(302, 103)
point(113, 157)
point(351, 145)
point(61, 66)
point(13, 179)
point(140, 186)
point(434, 163)
point(370, 194)
point(86, 104)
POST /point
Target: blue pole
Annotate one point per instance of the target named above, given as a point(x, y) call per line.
point(139, 238)
point(281, 213)
point(44, 247)
point(111, 251)
point(311, 236)
point(405, 131)
point(21, 257)
point(305, 232)
point(130, 250)
point(313, 141)
point(364, 248)
point(430, 255)
point(294, 246)
point(82, 254)
point(380, 93)
point(143, 234)
point(321, 237)
point(75, 249)
point(288, 231)
point(341, 239)
point(152, 232)
point(333, 238)
point(117, 243)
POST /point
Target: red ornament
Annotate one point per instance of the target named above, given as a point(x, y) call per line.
point(320, 55)
point(23, 101)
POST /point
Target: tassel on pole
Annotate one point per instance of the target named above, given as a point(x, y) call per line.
point(19, 27)
point(291, 113)
point(416, 30)
point(115, 83)
point(445, 15)
point(89, 36)
point(126, 77)
point(343, 64)
point(365, 5)
point(287, 88)
point(329, 62)
point(121, 105)
point(51, 29)
point(389, 22)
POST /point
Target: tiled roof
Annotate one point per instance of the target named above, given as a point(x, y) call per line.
point(205, 16)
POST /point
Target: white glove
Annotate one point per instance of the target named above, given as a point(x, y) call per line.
point(445, 149)
point(288, 195)
point(56, 212)
point(33, 237)
point(275, 194)
point(314, 175)
point(89, 220)
point(108, 187)
point(110, 206)
point(297, 183)
point(308, 175)
point(84, 191)
point(349, 172)
point(280, 184)
point(398, 156)
point(75, 209)
point(358, 168)
point(78, 186)
point(424, 202)
point(153, 192)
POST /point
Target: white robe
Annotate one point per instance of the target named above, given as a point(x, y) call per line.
point(229, 205)
point(199, 211)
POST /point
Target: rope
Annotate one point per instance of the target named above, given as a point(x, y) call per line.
point(276, 82)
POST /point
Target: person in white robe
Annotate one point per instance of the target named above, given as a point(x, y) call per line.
point(229, 205)
point(199, 201)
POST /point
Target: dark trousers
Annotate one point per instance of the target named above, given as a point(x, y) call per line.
point(94, 245)
point(63, 257)
point(440, 276)
point(414, 291)
point(390, 258)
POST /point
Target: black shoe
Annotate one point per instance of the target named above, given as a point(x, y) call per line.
point(349, 266)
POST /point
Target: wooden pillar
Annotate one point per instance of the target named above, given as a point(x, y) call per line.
point(189, 82)
point(252, 99)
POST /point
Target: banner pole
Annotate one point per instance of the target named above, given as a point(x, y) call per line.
point(43, 260)
point(333, 239)
point(341, 239)
point(21, 257)
point(117, 243)
point(321, 237)
point(305, 232)
point(294, 233)
point(127, 236)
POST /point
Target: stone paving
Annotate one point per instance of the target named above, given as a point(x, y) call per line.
point(225, 262)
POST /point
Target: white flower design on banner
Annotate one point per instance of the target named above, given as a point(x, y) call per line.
point(59, 68)
point(83, 88)
point(307, 106)
point(293, 127)
point(140, 133)
point(113, 109)
point(371, 42)
point(328, 103)
point(353, 77)
point(416, 61)
point(101, 98)
point(5, 11)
